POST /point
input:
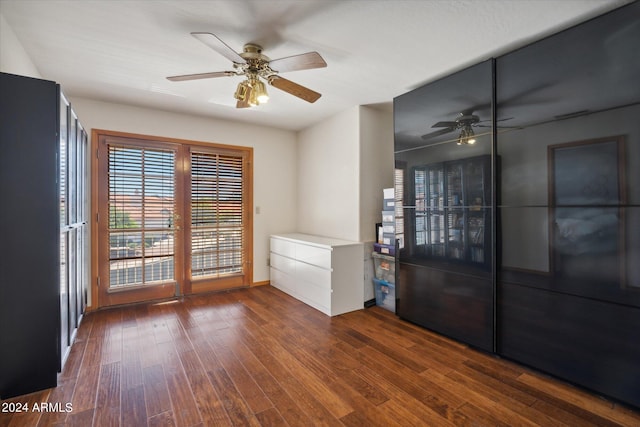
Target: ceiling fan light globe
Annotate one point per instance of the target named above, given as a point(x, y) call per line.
point(467, 136)
point(470, 133)
point(241, 91)
point(253, 97)
point(261, 92)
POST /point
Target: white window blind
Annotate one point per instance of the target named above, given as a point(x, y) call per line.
point(141, 214)
point(217, 214)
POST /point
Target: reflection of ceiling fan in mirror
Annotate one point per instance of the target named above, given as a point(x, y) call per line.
point(465, 121)
point(257, 67)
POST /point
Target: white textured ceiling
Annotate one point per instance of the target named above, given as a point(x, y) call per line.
point(121, 51)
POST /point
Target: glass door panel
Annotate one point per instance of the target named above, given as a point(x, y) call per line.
point(141, 210)
point(217, 220)
point(64, 299)
point(64, 229)
point(150, 190)
point(139, 236)
point(72, 280)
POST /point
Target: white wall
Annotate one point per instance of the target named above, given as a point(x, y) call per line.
point(343, 165)
point(376, 172)
point(329, 177)
point(13, 58)
point(376, 166)
point(274, 155)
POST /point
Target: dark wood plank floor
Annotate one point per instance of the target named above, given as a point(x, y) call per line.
point(260, 357)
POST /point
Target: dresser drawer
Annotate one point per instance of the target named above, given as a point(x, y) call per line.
point(283, 281)
point(316, 296)
point(313, 274)
point(314, 255)
point(284, 264)
point(283, 247)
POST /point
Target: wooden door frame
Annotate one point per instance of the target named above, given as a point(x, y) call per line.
point(181, 167)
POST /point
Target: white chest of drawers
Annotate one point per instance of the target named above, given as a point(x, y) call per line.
point(323, 272)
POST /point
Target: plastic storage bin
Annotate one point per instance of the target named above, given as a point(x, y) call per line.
point(384, 267)
point(385, 295)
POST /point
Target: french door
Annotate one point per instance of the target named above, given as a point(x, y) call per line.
point(173, 217)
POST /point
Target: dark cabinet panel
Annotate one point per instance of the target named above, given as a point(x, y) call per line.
point(443, 141)
point(29, 226)
point(590, 343)
point(43, 232)
point(453, 304)
point(569, 211)
point(599, 276)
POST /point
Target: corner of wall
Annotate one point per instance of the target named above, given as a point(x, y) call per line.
point(376, 165)
point(13, 57)
point(328, 177)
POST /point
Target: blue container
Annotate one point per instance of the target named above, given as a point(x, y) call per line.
point(385, 295)
point(384, 267)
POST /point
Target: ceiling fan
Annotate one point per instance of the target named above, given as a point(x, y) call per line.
point(465, 121)
point(257, 67)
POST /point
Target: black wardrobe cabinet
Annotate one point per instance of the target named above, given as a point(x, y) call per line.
point(568, 278)
point(560, 290)
point(37, 314)
point(445, 275)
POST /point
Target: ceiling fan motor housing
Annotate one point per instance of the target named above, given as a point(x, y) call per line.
point(253, 51)
point(256, 64)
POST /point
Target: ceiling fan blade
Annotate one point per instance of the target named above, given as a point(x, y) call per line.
point(219, 46)
point(304, 61)
point(438, 133)
point(201, 76)
point(488, 120)
point(294, 89)
point(452, 125)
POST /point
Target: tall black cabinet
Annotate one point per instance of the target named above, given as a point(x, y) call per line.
point(445, 276)
point(558, 288)
point(568, 280)
point(41, 291)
